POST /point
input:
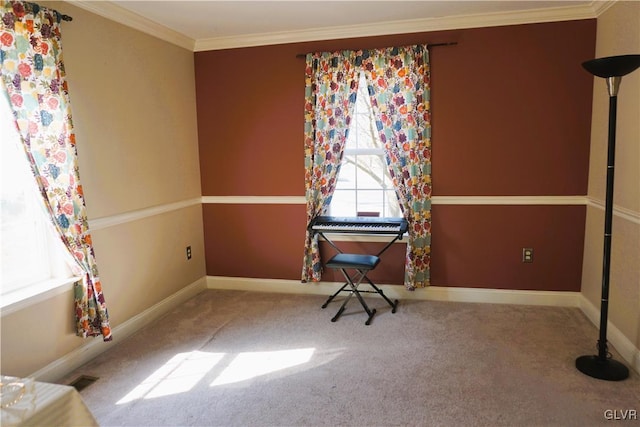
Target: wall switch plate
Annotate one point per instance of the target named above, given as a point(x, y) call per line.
point(188, 252)
point(527, 254)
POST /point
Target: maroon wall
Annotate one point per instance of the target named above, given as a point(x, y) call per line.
point(511, 116)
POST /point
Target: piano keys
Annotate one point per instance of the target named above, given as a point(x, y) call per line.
point(359, 225)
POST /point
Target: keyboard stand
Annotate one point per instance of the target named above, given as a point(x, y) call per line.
point(388, 245)
point(361, 264)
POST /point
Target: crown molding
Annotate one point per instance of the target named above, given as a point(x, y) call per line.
point(123, 16)
point(565, 13)
point(601, 6)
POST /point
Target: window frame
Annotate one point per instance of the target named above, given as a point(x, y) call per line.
point(354, 150)
point(56, 276)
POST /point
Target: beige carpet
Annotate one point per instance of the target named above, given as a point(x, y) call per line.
point(231, 358)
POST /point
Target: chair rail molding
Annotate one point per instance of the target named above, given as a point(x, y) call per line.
point(435, 200)
point(112, 220)
point(619, 211)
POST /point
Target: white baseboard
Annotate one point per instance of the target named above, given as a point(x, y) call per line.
point(622, 344)
point(94, 346)
point(436, 293)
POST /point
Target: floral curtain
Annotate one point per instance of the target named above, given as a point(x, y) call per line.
point(398, 80)
point(330, 95)
point(33, 77)
point(399, 84)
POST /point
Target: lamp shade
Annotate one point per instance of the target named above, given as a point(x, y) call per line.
point(612, 66)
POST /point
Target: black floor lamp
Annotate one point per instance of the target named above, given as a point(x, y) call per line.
point(612, 68)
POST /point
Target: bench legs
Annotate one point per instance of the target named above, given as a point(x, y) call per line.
point(353, 289)
point(394, 304)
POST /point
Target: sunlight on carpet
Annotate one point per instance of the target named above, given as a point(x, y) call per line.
point(183, 371)
point(253, 364)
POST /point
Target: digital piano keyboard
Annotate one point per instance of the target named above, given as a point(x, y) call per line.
point(360, 225)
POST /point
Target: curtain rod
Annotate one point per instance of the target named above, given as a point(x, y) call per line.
point(304, 55)
point(60, 16)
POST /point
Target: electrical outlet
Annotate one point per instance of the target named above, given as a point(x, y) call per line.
point(188, 252)
point(527, 254)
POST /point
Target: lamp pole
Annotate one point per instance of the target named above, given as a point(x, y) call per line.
point(612, 68)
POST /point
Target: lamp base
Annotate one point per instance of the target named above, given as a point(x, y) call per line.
point(603, 369)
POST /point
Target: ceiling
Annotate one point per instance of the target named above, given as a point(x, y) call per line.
point(213, 24)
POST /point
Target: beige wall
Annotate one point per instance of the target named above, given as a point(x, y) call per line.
point(133, 100)
point(618, 34)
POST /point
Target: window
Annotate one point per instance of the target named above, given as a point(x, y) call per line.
point(364, 186)
point(32, 257)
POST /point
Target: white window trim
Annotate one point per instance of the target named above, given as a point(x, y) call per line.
point(58, 278)
point(355, 150)
point(35, 293)
point(363, 151)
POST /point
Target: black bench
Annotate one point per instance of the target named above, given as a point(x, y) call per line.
point(362, 264)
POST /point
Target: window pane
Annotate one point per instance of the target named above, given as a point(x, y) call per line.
point(363, 127)
point(343, 203)
point(371, 201)
point(364, 184)
point(24, 259)
point(371, 171)
point(392, 207)
point(347, 174)
point(24, 241)
point(363, 134)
